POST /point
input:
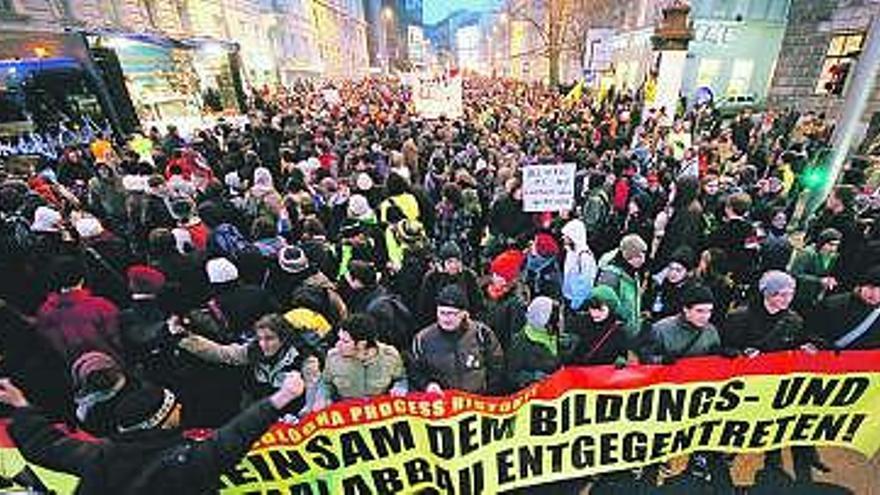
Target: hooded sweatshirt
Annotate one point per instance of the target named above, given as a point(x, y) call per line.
point(579, 259)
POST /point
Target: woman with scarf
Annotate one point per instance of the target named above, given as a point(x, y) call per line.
point(594, 332)
point(270, 357)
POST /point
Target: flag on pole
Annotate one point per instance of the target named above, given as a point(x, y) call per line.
point(650, 90)
point(576, 93)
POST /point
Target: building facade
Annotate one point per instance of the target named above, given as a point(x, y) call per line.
point(341, 35)
point(733, 52)
point(821, 47)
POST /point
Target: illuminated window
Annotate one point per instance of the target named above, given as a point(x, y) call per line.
point(740, 77)
point(841, 57)
point(707, 72)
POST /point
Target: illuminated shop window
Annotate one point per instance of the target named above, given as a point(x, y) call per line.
point(740, 77)
point(841, 57)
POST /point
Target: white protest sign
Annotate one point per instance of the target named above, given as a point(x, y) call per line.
point(331, 97)
point(548, 187)
point(439, 96)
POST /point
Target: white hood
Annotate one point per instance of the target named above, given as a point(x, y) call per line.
point(577, 232)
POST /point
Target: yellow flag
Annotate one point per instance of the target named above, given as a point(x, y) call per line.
point(650, 90)
point(576, 93)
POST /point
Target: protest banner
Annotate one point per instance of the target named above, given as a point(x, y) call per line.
point(580, 421)
point(548, 187)
point(439, 96)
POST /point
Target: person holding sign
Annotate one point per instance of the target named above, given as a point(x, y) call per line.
point(691, 333)
point(767, 326)
point(149, 453)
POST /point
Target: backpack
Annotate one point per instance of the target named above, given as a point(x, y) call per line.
point(596, 213)
point(226, 240)
point(318, 300)
point(544, 280)
point(396, 323)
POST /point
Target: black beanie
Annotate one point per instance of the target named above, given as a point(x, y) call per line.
point(696, 294)
point(452, 296)
point(145, 408)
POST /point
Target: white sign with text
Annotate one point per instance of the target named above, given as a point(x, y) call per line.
point(548, 187)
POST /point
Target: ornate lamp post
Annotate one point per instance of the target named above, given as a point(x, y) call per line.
point(671, 38)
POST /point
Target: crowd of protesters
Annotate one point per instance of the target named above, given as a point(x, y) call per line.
point(344, 248)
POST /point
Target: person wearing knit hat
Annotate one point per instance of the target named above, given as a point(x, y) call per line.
point(479, 364)
point(144, 280)
point(534, 350)
point(147, 434)
point(695, 294)
point(46, 219)
point(449, 270)
point(292, 260)
point(359, 208)
point(221, 271)
point(633, 249)
point(596, 335)
point(505, 270)
point(546, 245)
point(621, 271)
point(449, 251)
point(665, 294)
point(603, 296)
point(688, 333)
point(815, 268)
point(453, 297)
point(542, 273)
point(99, 384)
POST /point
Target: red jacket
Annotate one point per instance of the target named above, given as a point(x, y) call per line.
point(76, 322)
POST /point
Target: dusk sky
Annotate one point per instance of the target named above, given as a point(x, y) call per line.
point(434, 11)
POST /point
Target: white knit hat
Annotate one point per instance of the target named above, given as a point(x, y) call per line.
point(364, 182)
point(221, 271)
point(46, 219)
point(358, 207)
point(88, 227)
